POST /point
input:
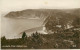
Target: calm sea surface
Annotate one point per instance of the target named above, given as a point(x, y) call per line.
point(10, 27)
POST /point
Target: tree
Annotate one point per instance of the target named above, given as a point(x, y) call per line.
point(3, 38)
point(24, 36)
point(3, 41)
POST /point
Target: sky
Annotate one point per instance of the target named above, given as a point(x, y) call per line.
point(17, 5)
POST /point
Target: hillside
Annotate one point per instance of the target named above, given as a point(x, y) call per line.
point(53, 18)
point(63, 20)
point(64, 40)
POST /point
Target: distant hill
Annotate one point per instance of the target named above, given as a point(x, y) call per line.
point(74, 11)
point(29, 13)
point(40, 12)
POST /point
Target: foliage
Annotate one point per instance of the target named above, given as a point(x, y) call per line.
point(24, 36)
point(46, 41)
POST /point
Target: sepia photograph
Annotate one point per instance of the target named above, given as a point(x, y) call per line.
point(40, 24)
